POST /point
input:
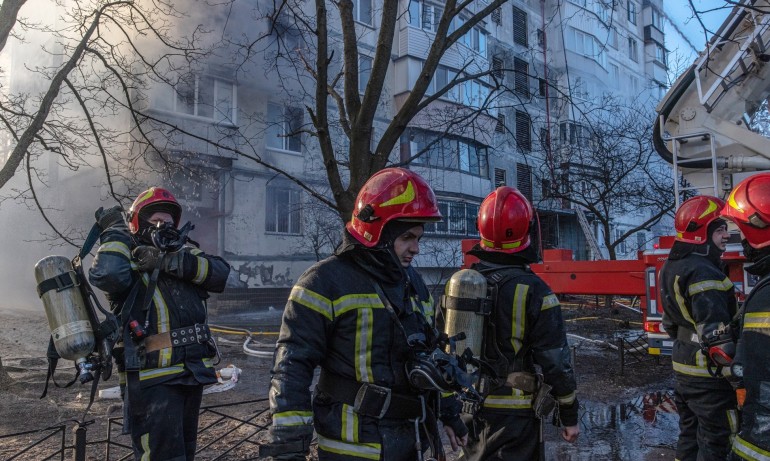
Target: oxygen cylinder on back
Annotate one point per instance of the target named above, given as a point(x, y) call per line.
point(463, 301)
point(65, 308)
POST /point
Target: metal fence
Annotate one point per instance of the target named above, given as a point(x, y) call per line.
point(225, 431)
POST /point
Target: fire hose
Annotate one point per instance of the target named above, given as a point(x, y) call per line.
point(264, 354)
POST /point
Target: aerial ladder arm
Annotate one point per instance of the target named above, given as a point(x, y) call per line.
point(705, 127)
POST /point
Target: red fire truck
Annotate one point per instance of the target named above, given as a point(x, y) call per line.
point(636, 277)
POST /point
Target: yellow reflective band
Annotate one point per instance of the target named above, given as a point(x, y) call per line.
point(203, 270)
point(143, 197)
point(732, 420)
point(749, 451)
point(733, 204)
point(159, 372)
point(756, 320)
point(568, 399)
point(145, 441)
point(700, 287)
point(549, 301)
point(517, 400)
point(680, 302)
point(356, 301)
point(293, 418)
point(115, 247)
point(404, 197)
point(360, 450)
point(504, 246)
point(711, 208)
point(349, 424)
point(363, 347)
point(691, 370)
point(312, 301)
point(519, 316)
point(162, 314)
point(427, 309)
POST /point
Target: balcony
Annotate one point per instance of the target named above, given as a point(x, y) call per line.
point(653, 34)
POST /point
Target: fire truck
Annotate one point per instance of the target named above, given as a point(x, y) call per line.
point(713, 126)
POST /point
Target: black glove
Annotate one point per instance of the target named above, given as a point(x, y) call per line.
point(457, 425)
point(109, 217)
point(148, 258)
point(288, 443)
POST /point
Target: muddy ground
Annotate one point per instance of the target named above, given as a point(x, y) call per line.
point(624, 416)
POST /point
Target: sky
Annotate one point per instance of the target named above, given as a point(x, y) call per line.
point(685, 36)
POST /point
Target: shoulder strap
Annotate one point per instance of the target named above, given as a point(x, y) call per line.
point(498, 277)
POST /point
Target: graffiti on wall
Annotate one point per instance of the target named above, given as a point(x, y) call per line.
point(256, 275)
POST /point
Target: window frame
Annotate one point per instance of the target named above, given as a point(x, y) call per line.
point(284, 126)
point(357, 12)
point(631, 11)
point(292, 217)
point(459, 219)
point(167, 99)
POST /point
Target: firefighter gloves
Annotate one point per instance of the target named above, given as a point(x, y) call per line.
point(109, 217)
point(148, 258)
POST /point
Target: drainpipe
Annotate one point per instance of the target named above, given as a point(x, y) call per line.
point(224, 209)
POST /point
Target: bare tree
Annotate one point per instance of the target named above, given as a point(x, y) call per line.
point(606, 166)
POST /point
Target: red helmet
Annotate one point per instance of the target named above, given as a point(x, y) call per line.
point(503, 221)
point(390, 194)
point(694, 216)
point(150, 201)
point(749, 207)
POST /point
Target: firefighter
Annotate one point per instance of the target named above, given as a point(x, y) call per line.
point(361, 315)
point(698, 299)
point(525, 335)
point(157, 285)
point(749, 208)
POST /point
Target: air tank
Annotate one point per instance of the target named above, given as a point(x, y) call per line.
point(464, 295)
point(66, 310)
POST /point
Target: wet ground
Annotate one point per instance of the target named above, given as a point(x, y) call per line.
point(624, 416)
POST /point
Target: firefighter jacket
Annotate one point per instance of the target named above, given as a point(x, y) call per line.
point(753, 440)
point(697, 298)
point(335, 318)
point(176, 303)
point(527, 330)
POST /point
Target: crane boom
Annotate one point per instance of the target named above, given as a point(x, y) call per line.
point(713, 123)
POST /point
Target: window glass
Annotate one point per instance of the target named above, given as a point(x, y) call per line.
point(283, 210)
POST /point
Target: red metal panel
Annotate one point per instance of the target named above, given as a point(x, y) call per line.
point(593, 277)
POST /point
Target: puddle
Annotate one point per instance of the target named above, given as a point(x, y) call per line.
point(642, 429)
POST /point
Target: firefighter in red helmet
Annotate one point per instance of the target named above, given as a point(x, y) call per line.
point(748, 206)
point(157, 283)
point(362, 315)
point(529, 340)
point(698, 304)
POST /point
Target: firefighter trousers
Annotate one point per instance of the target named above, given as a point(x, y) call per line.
point(168, 429)
point(397, 443)
point(502, 436)
point(708, 419)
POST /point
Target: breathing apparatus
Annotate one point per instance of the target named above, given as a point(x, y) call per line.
point(465, 308)
point(72, 309)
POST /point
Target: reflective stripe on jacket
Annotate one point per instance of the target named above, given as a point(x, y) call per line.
point(697, 297)
point(527, 319)
point(176, 302)
point(334, 318)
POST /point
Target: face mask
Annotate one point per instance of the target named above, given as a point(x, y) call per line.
point(751, 253)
